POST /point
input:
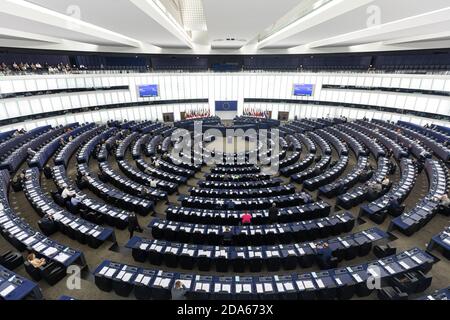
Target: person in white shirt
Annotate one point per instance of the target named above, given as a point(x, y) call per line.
point(444, 201)
point(66, 193)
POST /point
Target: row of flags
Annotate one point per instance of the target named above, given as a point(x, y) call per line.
point(199, 113)
point(204, 113)
point(257, 113)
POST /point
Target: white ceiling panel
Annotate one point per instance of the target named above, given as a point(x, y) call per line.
point(203, 26)
point(362, 18)
point(23, 24)
point(120, 16)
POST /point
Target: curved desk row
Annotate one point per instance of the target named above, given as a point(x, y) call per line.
point(359, 194)
point(245, 203)
point(298, 166)
point(159, 173)
point(397, 150)
point(413, 146)
point(399, 191)
point(16, 158)
point(113, 195)
point(64, 155)
point(112, 215)
point(86, 151)
point(357, 148)
point(44, 154)
point(8, 146)
point(313, 171)
point(125, 144)
point(425, 210)
point(331, 174)
point(441, 241)
point(421, 133)
point(242, 193)
point(341, 283)
point(338, 145)
point(239, 185)
point(130, 186)
point(229, 217)
point(253, 258)
point(146, 179)
point(23, 237)
point(443, 294)
point(344, 183)
point(16, 287)
point(73, 226)
point(374, 146)
point(253, 235)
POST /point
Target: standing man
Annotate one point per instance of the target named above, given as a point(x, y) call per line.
point(179, 291)
point(273, 213)
point(133, 224)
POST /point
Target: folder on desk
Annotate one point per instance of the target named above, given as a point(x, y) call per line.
point(103, 270)
point(49, 251)
point(268, 287)
point(145, 280)
point(7, 290)
point(62, 257)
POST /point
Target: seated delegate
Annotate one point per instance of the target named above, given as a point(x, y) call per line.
point(35, 262)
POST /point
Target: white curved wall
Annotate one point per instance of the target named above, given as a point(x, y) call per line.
point(223, 86)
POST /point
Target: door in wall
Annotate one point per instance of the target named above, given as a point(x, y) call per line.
point(183, 115)
point(283, 116)
point(168, 117)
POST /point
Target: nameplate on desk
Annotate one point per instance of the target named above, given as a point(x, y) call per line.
point(7, 290)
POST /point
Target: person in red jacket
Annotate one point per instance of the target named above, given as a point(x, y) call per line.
point(246, 218)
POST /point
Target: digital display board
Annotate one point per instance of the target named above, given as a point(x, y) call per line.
point(149, 90)
point(303, 90)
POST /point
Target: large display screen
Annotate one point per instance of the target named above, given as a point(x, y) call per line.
point(303, 90)
point(226, 105)
point(149, 90)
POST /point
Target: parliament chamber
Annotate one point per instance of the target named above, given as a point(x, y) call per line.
point(163, 174)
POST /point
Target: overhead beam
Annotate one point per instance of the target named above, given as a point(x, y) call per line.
point(161, 16)
point(27, 35)
point(390, 28)
point(323, 14)
point(33, 12)
point(419, 38)
point(67, 45)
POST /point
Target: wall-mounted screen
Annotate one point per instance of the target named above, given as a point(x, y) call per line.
point(226, 105)
point(149, 90)
point(303, 90)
